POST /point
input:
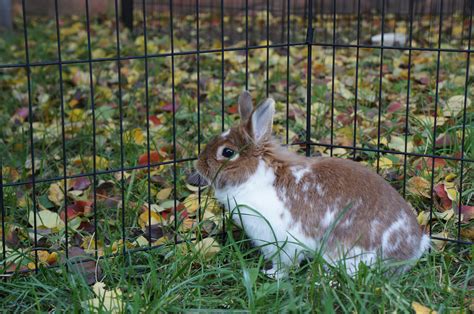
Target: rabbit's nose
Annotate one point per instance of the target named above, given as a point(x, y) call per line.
point(196, 179)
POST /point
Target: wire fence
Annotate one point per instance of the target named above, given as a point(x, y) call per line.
point(306, 39)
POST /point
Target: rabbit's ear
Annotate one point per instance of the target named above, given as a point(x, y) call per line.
point(245, 106)
point(262, 121)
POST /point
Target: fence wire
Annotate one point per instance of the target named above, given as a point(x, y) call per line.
point(287, 36)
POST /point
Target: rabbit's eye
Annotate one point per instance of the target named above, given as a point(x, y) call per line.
point(227, 152)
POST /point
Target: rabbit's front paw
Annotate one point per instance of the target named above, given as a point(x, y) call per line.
point(274, 273)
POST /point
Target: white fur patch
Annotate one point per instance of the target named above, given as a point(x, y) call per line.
point(357, 255)
point(319, 189)
point(328, 218)
point(299, 172)
point(265, 218)
point(348, 222)
point(226, 133)
point(399, 224)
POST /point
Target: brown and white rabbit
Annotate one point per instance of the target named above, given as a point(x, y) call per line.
point(288, 203)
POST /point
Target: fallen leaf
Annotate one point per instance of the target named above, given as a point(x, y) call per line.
point(207, 247)
point(421, 309)
point(395, 106)
point(155, 157)
point(82, 264)
point(454, 105)
point(164, 193)
point(446, 215)
point(191, 203)
point(109, 300)
point(423, 218)
point(76, 115)
point(385, 163)
point(419, 186)
point(80, 183)
point(46, 219)
point(467, 212)
point(451, 190)
point(440, 244)
point(143, 219)
point(135, 136)
point(56, 194)
point(468, 233)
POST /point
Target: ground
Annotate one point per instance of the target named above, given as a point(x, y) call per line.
point(365, 101)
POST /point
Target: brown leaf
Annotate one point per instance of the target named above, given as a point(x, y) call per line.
point(80, 183)
point(468, 233)
point(84, 265)
point(395, 106)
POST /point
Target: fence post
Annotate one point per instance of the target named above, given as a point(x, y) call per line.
point(6, 14)
point(127, 13)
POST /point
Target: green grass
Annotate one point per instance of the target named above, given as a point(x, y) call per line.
point(173, 279)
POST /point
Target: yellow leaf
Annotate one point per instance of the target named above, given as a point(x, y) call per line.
point(118, 245)
point(76, 115)
point(160, 241)
point(56, 194)
point(421, 309)
point(110, 300)
point(46, 219)
point(163, 194)
point(134, 136)
point(101, 162)
point(398, 143)
point(385, 163)
point(209, 204)
point(451, 190)
point(47, 258)
point(450, 177)
point(191, 203)
point(141, 241)
point(339, 151)
point(156, 218)
point(187, 224)
point(419, 186)
point(207, 247)
point(423, 218)
point(88, 244)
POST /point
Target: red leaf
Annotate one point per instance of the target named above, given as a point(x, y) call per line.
point(426, 163)
point(71, 213)
point(440, 191)
point(446, 203)
point(155, 120)
point(468, 212)
point(84, 206)
point(169, 107)
point(344, 118)
point(233, 109)
point(154, 158)
point(81, 183)
point(394, 106)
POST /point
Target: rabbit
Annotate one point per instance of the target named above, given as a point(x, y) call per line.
point(289, 204)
